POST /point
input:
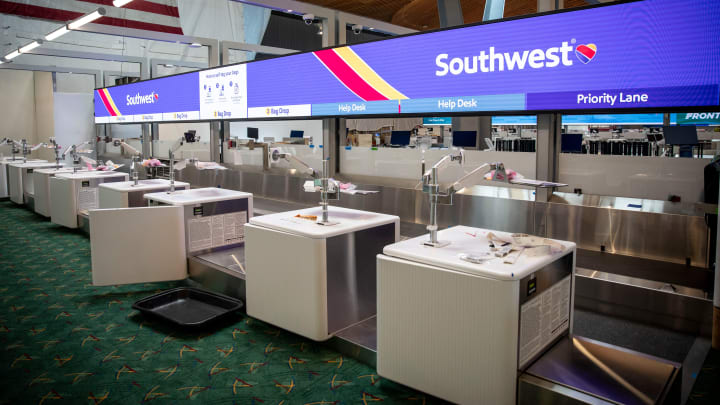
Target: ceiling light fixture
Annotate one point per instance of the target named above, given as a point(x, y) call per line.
point(12, 55)
point(87, 18)
point(57, 33)
point(120, 3)
point(29, 47)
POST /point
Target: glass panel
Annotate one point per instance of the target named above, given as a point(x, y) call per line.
point(302, 138)
point(170, 133)
point(395, 149)
point(632, 155)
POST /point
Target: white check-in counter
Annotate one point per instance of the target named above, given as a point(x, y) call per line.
point(20, 179)
point(4, 162)
point(127, 194)
point(460, 330)
point(74, 193)
point(41, 180)
point(162, 237)
point(311, 279)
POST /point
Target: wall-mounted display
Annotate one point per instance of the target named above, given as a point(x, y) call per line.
point(655, 54)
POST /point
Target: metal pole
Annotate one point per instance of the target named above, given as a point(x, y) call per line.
point(171, 155)
point(324, 200)
point(716, 295)
point(433, 227)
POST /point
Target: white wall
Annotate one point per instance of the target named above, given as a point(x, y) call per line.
point(17, 106)
point(279, 129)
point(74, 83)
point(44, 114)
point(73, 116)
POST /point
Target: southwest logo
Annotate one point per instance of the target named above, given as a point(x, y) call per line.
point(494, 60)
point(586, 53)
point(139, 99)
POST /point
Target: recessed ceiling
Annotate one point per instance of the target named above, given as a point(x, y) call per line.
point(423, 14)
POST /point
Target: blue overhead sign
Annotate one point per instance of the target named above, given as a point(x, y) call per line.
point(655, 54)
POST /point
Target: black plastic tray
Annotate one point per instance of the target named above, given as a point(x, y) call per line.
point(188, 307)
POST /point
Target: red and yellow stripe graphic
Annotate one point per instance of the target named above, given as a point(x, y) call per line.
point(355, 74)
point(108, 102)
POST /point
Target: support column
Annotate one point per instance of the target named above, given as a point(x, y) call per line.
point(450, 13)
point(225, 138)
point(331, 144)
point(214, 53)
point(547, 155)
point(716, 293)
point(154, 136)
point(494, 9)
point(549, 5)
point(146, 140)
point(215, 140)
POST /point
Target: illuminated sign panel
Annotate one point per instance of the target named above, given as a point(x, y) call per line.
point(643, 54)
point(172, 98)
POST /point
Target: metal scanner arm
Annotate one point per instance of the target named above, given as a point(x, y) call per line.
point(171, 154)
point(124, 147)
point(445, 162)
point(431, 185)
point(38, 146)
point(325, 193)
point(295, 163)
point(58, 155)
point(73, 150)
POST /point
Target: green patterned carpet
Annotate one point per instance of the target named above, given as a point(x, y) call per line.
point(64, 341)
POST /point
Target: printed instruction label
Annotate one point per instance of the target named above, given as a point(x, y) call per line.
point(87, 198)
point(215, 231)
point(544, 318)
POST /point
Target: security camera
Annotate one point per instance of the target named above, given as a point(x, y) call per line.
point(308, 18)
point(357, 29)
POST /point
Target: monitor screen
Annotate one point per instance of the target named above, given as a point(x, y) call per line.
point(464, 139)
point(296, 134)
point(680, 135)
point(571, 143)
point(252, 133)
point(400, 138)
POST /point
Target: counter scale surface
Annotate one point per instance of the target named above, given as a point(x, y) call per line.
point(127, 194)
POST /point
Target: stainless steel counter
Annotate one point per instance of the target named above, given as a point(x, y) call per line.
point(656, 230)
point(580, 370)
